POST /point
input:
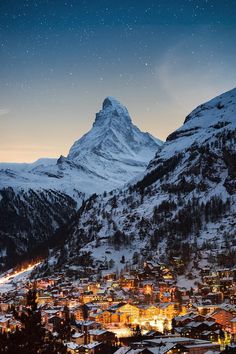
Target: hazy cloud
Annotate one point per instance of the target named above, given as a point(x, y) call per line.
point(191, 73)
point(4, 111)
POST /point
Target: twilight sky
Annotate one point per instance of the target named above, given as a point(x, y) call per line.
point(60, 59)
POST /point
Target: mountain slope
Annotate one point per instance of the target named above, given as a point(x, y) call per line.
point(183, 205)
point(28, 221)
point(114, 148)
point(36, 199)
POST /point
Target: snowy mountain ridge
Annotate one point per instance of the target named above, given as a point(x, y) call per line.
point(183, 205)
point(37, 199)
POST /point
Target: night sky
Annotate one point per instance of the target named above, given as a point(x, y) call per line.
point(60, 59)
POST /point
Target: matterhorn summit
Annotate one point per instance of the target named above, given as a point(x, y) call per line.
point(114, 148)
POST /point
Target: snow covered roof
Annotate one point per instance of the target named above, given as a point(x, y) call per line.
point(77, 335)
point(123, 350)
point(91, 345)
point(71, 345)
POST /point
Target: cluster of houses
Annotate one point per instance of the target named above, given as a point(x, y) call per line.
point(106, 312)
point(170, 345)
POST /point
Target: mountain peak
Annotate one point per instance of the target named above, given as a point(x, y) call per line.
point(110, 102)
point(112, 112)
point(114, 144)
point(224, 103)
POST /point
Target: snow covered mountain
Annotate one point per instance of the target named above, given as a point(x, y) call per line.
point(114, 149)
point(112, 153)
point(36, 199)
point(183, 207)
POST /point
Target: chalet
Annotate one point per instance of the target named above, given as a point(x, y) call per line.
point(213, 336)
point(44, 298)
point(101, 335)
point(149, 312)
point(233, 329)
point(56, 322)
point(189, 317)
point(215, 297)
point(165, 297)
point(128, 281)
point(224, 273)
point(205, 271)
point(78, 313)
point(149, 267)
point(4, 323)
point(85, 326)
point(226, 284)
point(232, 295)
point(148, 288)
point(4, 306)
point(92, 348)
point(72, 347)
point(203, 330)
point(109, 276)
point(176, 345)
point(103, 317)
point(167, 274)
point(44, 283)
point(78, 338)
point(223, 317)
point(206, 309)
point(124, 313)
point(167, 310)
point(49, 313)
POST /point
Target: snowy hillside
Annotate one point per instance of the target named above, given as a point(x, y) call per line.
point(36, 199)
point(184, 205)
